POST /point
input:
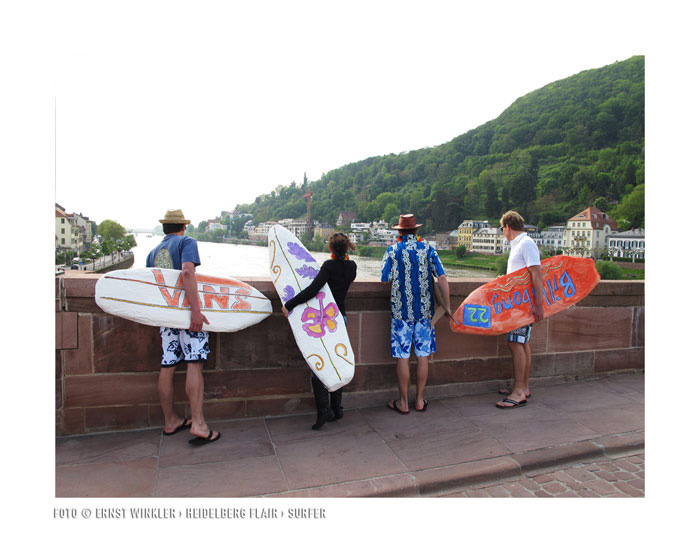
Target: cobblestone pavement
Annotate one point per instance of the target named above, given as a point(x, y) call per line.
point(605, 477)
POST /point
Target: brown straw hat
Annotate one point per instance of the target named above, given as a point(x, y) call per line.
point(406, 222)
point(175, 217)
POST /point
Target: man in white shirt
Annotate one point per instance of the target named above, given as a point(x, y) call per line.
point(523, 253)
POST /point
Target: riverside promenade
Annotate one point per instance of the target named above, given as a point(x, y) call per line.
point(566, 442)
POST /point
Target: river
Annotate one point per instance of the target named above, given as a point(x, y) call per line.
point(243, 261)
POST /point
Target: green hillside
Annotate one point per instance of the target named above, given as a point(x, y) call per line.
point(573, 143)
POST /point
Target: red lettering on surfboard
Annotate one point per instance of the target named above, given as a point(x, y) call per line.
point(241, 303)
point(210, 296)
point(209, 293)
point(172, 300)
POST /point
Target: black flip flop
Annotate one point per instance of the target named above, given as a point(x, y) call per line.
point(198, 441)
point(180, 428)
point(425, 406)
point(515, 404)
point(395, 408)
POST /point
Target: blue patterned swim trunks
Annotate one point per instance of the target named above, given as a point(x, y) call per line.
point(420, 334)
point(520, 335)
point(178, 344)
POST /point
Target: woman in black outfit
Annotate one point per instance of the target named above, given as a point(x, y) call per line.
point(339, 272)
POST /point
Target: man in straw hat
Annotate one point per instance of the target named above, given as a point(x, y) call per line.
point(178, 251)
point(410, 265)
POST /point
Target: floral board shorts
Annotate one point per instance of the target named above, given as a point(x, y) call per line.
point(178, 344)
point(520, 335)
point(420, 334)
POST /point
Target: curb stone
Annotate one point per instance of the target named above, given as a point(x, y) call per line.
point(441, 480)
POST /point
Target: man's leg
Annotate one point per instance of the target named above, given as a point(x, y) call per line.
point(171, 354)
point(194, 388)
point(528, 365)
point(403, 377)
point(401, 333)
point(421, 379)
point(166, 395)
point(424, 345)
point(519, 367)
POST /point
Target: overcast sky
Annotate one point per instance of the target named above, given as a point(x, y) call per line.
point(165, 105)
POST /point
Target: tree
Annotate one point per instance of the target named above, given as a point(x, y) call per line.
point(590, 126)
point(522, 187)
point(390, 212)
point(108, 246)
point(602, 204)
point(111, 230)
point(608, 270)
point(630, 213)
point(493, 205)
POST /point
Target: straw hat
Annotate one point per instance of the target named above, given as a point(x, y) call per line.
point(175, 217)
point(406, 222)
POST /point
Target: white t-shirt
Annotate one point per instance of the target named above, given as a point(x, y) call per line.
point(523, 253)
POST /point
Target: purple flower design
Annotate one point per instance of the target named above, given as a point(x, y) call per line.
point(287, 293)
point(299, 252)
point(306, 271)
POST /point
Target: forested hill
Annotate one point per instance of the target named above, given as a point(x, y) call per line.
point(573, 143)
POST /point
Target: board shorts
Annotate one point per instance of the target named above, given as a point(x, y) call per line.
point(420, 334)
point(520, 335)
point(179, 344)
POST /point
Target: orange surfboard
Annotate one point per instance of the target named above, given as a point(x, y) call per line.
point(504, 304)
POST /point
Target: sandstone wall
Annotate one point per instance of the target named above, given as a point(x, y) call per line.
point(107, 367)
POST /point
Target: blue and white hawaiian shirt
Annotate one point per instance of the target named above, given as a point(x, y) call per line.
point(410, 265)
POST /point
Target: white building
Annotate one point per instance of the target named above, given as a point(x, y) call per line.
point(260, 232)
point(73, 231)
point(587, 232)
point(627, 244)
point(385, 234)
point(359, 227)
point(488, 240)
point(532, 231)
point(553, 238)
point(213, 225)
point(296, 226)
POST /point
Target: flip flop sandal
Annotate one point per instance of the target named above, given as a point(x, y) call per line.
point(515, 404)
point(180, 428)
point(425, 406)
point(395, 408)
point(198, 441)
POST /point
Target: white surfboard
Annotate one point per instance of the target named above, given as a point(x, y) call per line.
point(318, 325)
point(156, 297)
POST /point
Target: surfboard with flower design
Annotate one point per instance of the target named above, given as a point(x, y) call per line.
point(318, 325)
point(504, 303)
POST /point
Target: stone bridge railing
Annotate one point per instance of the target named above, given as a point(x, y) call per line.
point(107, 367)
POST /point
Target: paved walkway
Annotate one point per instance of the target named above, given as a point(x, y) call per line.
point(458, 446)
point(607, 477)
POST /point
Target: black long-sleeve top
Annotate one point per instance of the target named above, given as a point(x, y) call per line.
point(338, 273)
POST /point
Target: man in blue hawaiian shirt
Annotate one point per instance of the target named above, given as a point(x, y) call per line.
point(410, 265)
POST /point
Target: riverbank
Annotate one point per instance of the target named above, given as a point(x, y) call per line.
point(251, 260)
point(104, 264)
point(474, 261)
